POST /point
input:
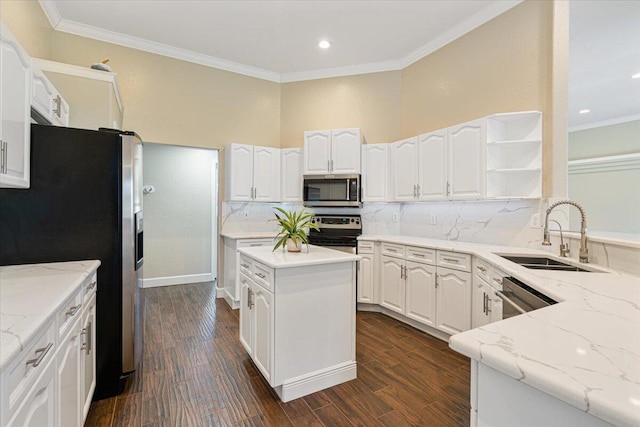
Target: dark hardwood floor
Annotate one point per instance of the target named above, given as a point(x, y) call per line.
point(196, 373)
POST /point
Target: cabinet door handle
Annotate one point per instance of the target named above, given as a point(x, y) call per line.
point(448, 188)
point(3, 156)
point(328, 166)
point(42, 352)
point(488, 304)
point(331, 165)
point(437, 277)
point(57, 109)
point(73, 310)
point(251, 303)
point(484, 302)
point(418, 190)
point(401, 272)
point(249, 298)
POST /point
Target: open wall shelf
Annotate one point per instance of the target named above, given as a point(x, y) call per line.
point(514, 155)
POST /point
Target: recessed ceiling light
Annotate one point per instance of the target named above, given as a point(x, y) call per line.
point(324, 44)
point(585, 111)
point(636, 76)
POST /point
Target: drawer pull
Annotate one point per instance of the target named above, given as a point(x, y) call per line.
point(244, 265)
point(391, 250)
point(43, 352)
point(418, 255)
point(91, 285)
point(451, 259)
point(481, 268)
point(73, 310)
point(256, 244)
point(497, 280)
point(260, 275)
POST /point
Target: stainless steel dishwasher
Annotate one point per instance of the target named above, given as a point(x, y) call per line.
point(519, 298)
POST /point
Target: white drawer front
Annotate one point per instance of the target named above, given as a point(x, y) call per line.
point(248, 243)
point(425, 255)
point(263, 276)
point(30, 363)
point(89, 288)
point(69, 312)
point(392, 249)
point(496, 278)
point(365, 247)
point(454, 260)
point(245, 265)
point(482, 269)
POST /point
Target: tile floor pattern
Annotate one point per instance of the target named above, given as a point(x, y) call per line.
point(195, 372)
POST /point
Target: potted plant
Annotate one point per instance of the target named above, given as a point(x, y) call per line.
point(293, 229)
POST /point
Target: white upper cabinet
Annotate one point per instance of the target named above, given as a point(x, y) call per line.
point(266, 174)
point(332, 151)
point(432, 165)
point(15, 110)
point(291, 178)
point(375, 172)
point(404, 164)
point(46, 100)
point(252, 173)
point(466, 160)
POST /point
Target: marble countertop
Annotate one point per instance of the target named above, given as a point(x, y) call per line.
point(248, 234)
point(585, 350)
point(30, 295)
point(315, 255)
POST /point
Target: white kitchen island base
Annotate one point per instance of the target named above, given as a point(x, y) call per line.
point(297, 317)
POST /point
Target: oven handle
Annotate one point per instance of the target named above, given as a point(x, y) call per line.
point(506, 299)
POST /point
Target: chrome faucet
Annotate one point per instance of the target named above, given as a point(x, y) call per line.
point(584, 252)
point(564, 247)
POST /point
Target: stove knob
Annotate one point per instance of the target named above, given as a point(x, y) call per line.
point(352, 220)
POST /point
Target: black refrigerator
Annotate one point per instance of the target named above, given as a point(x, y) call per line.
point(85, 202)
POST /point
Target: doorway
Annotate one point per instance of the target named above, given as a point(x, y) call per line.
point(180, 213)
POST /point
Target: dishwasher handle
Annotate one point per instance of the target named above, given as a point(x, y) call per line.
point(506, 299)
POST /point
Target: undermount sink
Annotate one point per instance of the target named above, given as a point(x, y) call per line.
point(544, 263)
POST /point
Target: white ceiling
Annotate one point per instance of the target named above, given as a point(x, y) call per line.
point(278, 40)
point(604, 53)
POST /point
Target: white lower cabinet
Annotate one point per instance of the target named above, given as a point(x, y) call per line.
point(39, 406)
point(486, 305)
point(366, 293)
point(416, 285)
point(256, 324)
point(421, 292)
point(453, 298)
point(68, 377)
point(51, 382)
point(393, 284)
point(87, 357)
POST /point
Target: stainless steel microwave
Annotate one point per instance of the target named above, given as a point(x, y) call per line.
point(333, 190)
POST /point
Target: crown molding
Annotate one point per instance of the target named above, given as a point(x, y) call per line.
point(51, 11)
point(601, 123)
point(604, 164)
point(483, 16)
point(59, 24)
point(375, 67)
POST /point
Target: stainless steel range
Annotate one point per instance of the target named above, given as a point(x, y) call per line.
point(338, 232)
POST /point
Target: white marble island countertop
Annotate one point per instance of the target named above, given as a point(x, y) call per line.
point(314, 255)
point(30, 294)
point(585, 350)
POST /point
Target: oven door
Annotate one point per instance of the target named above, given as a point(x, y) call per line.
point(331, 190)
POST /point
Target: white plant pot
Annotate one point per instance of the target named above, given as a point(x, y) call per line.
point(292, 247)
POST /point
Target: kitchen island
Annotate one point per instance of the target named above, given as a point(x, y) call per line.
point(297, 317)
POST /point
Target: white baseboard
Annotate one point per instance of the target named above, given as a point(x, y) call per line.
point(316, 381)
point(177, 280)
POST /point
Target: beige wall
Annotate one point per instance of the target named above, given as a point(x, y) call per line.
point(175, 102)
point(28, 23)
point(371, 102)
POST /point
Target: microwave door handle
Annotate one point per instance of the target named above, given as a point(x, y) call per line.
point(348, 189)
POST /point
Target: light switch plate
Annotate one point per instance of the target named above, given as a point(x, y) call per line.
point(535, 221)
point(395, 217)
point(433, 219)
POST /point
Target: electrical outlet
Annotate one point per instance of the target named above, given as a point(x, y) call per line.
point(246, 215)
point(395, 217)
point(535, 221)
point(433, 219)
